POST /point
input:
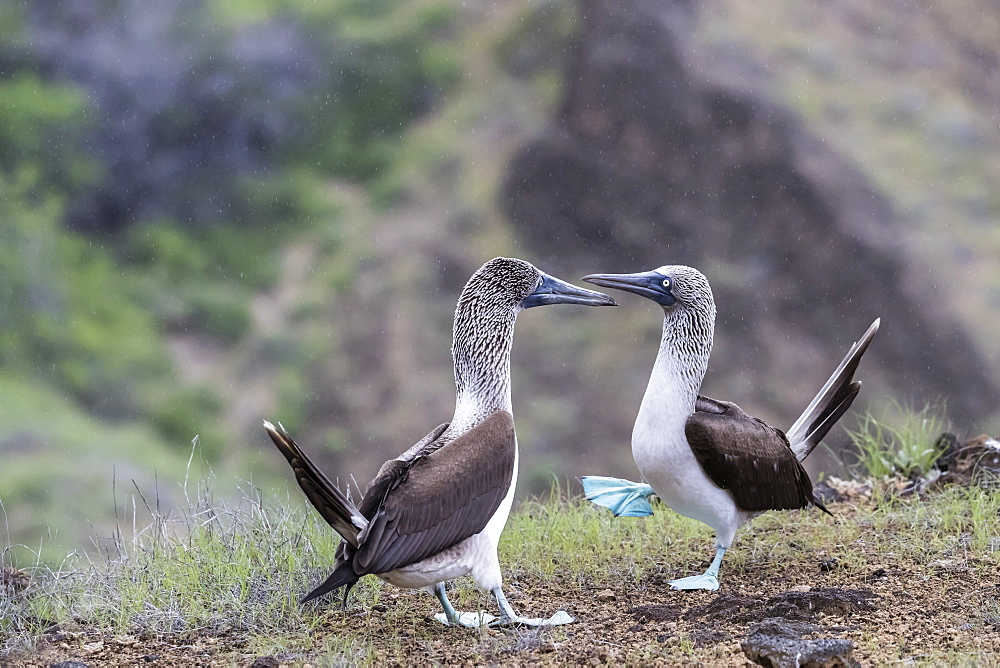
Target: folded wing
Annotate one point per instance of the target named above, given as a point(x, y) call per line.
point(434, 501)
point(747, 457)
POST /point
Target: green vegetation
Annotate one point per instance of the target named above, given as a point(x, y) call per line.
point(899, 442)
point(228, 575)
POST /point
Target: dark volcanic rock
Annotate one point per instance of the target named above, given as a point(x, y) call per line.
point(947, 445)
point(727, 608)
point(780, 652)
point(976, 461)
point(790, 606)
point(265, 662)
point(828, 600)
point(656, 159)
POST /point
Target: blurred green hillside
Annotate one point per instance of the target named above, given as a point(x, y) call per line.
point(199, 206)
point(217, 212)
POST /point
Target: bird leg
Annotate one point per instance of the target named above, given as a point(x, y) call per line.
point(708, 580)
point(510, 618)
point(452, 617)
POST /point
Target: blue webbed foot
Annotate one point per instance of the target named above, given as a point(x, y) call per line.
point(472, 620)
point(705, 581)
point(623, 497)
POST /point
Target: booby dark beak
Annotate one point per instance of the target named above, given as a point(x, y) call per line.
point(649, 284)
point(552, 290)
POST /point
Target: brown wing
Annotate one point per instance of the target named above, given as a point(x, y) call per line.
point(747, 457)
point(390, 472)
point(438, 500)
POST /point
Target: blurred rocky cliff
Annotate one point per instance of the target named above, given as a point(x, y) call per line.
point(664, 153)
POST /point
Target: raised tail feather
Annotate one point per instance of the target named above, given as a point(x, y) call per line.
point(831, 402)
point(331, 503)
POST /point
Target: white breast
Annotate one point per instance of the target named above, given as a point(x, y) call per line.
point(664, 458)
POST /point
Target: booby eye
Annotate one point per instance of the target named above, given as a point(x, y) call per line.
point(666, 283)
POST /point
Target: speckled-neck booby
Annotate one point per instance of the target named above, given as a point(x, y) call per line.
point(436, 512)
point(704, 458)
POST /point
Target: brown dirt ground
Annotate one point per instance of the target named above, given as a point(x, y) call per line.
point(898, 611)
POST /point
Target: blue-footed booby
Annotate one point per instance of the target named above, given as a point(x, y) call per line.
point(436, 512)
point(704, 458)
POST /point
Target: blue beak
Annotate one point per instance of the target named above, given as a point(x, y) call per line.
point(551, 290)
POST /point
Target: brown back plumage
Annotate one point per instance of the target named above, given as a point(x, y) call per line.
point(747, 457)
point(449, 495)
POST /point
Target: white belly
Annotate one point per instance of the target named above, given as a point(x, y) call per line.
point(664, 458)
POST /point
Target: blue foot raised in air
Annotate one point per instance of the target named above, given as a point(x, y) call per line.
point(623, 497)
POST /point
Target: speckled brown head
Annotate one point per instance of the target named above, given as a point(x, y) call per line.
point(688, 309)
point(510, 285)
point(484, 325)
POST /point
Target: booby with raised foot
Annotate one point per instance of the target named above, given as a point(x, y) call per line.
point(704, 458)
point(436, 512)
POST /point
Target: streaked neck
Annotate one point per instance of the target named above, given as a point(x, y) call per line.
point(681, 363)
point(481, 351)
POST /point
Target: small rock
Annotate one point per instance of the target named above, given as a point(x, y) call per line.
point(606, 596)
point(92, 648)
point(947, 445)
point(828, 565)
point(265, 662)
point(767, 650)
point(825, 493)
point(801, 588)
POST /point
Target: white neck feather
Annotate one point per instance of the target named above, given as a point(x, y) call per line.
point(680, 367)
point(673, 387)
